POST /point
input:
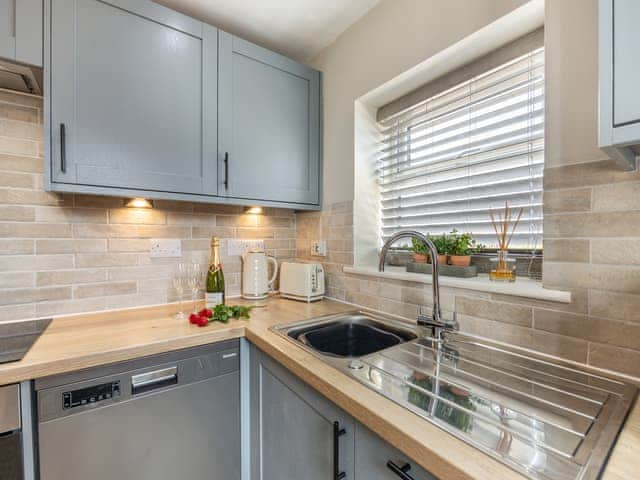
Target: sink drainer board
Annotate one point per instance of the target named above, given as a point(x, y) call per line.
point(546, 420)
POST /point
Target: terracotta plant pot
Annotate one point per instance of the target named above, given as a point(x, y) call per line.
point(420, 258)
point(460, 260)
point(442, 259)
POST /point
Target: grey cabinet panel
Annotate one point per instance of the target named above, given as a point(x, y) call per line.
point(372, 455)
point(21, 31)
point(626, 62)
point(8, 29)
point(292, 427)
point(619, 74)
point(269, 125)
point(132, 101)
point(29, 31)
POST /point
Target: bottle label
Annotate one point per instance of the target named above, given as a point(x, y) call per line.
point(213, 299)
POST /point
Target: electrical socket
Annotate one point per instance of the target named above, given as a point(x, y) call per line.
point(238, 246)
point(165, 248)
point(319, 248)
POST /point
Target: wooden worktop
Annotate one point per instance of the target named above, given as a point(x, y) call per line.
point(87, 340)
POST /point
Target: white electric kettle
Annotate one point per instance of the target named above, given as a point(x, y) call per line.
point(255, 274)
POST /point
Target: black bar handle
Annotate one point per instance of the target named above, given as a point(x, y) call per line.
point(226, 170)
point(337, 433)
point(401, 471)
point(63, 149)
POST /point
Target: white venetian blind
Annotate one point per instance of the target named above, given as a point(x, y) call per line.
point(447, 160)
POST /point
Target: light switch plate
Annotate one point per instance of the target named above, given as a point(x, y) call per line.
point(238, 246)
point(165, 248)
point(319, 248)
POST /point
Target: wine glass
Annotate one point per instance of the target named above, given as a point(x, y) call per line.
point(180, 276)
point(193, 280)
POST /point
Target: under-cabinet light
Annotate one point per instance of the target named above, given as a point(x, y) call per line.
point(253, 210)
point(139, 203)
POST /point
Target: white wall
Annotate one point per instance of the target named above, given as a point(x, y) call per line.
point(393, 37)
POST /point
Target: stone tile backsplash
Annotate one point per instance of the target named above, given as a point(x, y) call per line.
point(601, 327)
point(73, 253)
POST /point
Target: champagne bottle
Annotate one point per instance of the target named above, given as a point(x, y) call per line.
point(215, 278)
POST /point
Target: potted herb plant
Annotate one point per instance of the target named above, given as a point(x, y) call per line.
point(442, 244)
point(420, 251)
point(461, 247)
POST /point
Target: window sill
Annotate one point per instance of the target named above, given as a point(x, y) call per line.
point(522, 287)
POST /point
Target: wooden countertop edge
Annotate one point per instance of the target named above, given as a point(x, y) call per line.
point(79, 362)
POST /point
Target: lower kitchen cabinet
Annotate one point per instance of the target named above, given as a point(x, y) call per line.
point(377, 460)
point(294, 434)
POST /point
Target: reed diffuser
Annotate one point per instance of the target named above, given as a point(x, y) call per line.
point(504, 226)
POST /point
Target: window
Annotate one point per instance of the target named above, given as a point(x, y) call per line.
point(448, 160)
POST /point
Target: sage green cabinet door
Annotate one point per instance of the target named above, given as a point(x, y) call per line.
point(292, 427)
point(269, 125)
point(133, 97)
point(7, 29)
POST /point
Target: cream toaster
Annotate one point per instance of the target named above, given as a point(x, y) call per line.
point(302, 281)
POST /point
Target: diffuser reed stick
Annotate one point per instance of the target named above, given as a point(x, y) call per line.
point(504, 227)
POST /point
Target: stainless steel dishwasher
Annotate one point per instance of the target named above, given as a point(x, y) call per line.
point(174, 415)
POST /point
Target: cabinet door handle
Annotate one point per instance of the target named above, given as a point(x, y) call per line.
point(401, 471)
point(226, 170)
point(337, 433)
point(63, 148)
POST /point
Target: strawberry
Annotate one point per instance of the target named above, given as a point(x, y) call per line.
point(202, 321)
point(193, 318)
point(205, 312)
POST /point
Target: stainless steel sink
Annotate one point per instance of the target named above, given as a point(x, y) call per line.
point(342, 339)
point(546, 420)
point(350, 335)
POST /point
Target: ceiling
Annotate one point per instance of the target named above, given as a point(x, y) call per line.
point(296, 28)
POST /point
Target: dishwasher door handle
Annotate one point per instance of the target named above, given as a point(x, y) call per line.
point(145, 382)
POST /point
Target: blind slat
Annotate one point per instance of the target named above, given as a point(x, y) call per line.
point(448, 161)
point(520, 105)
point(416, 114)
point(490, 200)
point(479, 175)
point(523, 150)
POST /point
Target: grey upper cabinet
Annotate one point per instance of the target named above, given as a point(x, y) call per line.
point(292, 427)
point(133, 99)
point(21, 31)
point(145, 101)
point(377, 460)
point(269, 125)
point(619, 65)
point(7, 29)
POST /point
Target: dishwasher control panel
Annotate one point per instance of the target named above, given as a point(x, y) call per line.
point(89, 395)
